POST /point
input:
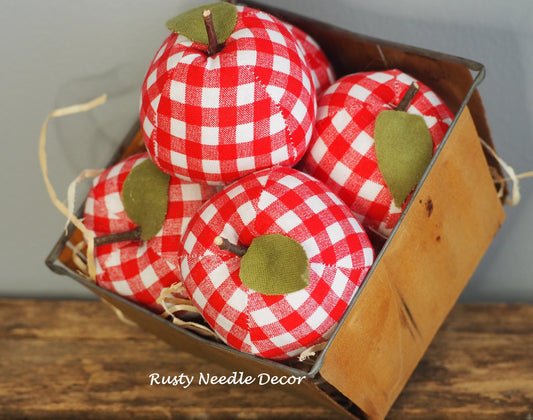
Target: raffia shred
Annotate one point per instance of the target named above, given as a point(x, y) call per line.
point(515, 197)
point(61, 112)
point(77, 259)
point(120, 315)
point(172, 305)
point(311, 351)
point(71, 192)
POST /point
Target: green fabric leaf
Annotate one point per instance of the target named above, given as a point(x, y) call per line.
point(403, 150)
point(145, 197)
point(275, 265)
point(191, 23)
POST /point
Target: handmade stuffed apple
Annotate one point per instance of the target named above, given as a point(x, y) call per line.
point(376, 133)
point(137, 215)
point(272, 262)
point(228, 93)
point(322, 72)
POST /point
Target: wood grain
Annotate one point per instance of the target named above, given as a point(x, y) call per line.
point(414, 284)
point(479, 366)
point(75, 359)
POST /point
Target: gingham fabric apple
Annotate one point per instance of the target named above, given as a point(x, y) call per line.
point(342, 153)
point(322, 72)
point(249, 313)
point(215, 118)
point(139, 269)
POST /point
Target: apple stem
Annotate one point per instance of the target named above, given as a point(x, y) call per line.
point(212, 48)
point(226, 245)
point(231, 1)
point(130, 235)
point(408, 97)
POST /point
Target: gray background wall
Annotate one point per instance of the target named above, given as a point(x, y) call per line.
point(60, 52)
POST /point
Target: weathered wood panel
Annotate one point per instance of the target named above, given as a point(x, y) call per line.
point(75, 359)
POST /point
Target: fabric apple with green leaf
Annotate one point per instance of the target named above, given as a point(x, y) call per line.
point(272, 262)
point(215, 108)
point(369, 152)
point(137, 215)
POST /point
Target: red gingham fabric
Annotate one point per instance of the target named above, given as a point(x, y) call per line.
point(215, 119)
point(342, 153)
point(322, 72)
point(139, 270)
point(285, 201)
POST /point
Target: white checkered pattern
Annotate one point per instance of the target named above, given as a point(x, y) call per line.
point(215, 119)
point(276, 327)
point(342, 153)
point(139, 270)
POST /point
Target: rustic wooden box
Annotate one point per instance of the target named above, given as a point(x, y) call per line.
point(419, 272)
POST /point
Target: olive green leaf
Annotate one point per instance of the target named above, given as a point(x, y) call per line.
point(145, 197)
point(403, 150)
point(275, 265)
point(191, 23)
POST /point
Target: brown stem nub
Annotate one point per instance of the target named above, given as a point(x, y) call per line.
point(130, 235)
point(408, 97)
point(231, 1)
point(212, 47)
point(226, 245)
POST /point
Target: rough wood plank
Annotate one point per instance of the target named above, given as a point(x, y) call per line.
point(480, 365)
point(68, 359)
point(75, 359)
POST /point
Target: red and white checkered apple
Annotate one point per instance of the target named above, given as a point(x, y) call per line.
point(272, 262)
point(135, 268)
point(343, 155)
point(217, 107)
point(322, 72)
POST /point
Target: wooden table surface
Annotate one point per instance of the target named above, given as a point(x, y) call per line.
point(76, 359)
